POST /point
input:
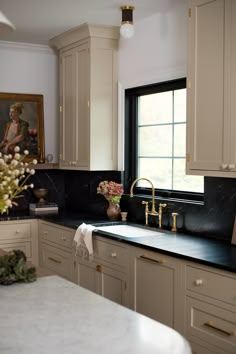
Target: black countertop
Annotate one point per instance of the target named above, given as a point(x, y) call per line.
point(202, 250)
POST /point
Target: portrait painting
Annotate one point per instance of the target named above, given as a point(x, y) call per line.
point(22, 124)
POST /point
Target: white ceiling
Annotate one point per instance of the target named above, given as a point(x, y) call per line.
point(37, 21)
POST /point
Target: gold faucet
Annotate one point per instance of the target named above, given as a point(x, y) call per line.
point(153, 211)
point(161, 206)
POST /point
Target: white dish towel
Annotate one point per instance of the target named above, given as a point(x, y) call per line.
point(83, 241)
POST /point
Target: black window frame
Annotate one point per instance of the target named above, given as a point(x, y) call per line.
point(131, 140)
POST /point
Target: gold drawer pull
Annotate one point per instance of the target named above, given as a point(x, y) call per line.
point(113, 254)
point(160, 261)
point(54, 260)
point(211, 325)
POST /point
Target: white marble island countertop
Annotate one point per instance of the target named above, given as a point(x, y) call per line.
point(55, 316)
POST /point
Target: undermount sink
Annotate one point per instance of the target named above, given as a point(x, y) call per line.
point(128, 231)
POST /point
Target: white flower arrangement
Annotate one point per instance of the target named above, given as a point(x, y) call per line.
point(14, 173)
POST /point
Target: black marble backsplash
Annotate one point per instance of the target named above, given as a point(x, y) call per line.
point(77, 191)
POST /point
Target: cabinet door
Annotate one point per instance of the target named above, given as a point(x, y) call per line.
point(67, 99)
point(205, 114)
point(103, 280)
point(74, 123)
point(232, 83)
point(87, 275)
point(157, 288)
point(113, 285)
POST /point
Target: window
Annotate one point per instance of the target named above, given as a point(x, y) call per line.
point(156, 139)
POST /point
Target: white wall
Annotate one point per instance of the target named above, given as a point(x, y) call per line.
point(157, 52)
point(32, 69)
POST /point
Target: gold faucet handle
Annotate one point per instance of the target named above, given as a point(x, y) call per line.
point(146, 211)
point(146, 205)
point(163, 205)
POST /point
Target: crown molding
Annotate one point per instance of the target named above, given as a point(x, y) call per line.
point(27, 47)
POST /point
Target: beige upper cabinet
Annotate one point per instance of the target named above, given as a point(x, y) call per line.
point(88, 97)
point(211, 88)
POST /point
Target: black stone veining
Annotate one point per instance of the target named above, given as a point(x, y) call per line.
point(77, 191)
point(209, 225)
point(202, 250)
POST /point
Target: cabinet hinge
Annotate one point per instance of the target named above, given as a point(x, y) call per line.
point(60, 109)
point(189, 12)
point(189, 83)
point(88, 104)
point(188, 157)
point(125, 285)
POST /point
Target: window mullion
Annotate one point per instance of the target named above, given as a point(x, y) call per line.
point(173, 142)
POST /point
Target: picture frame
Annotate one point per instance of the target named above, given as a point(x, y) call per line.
point(233, 240)
point(32, 121)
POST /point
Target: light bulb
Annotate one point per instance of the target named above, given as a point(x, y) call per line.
point(127, 30)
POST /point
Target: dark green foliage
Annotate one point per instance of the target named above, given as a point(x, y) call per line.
point(13, 268)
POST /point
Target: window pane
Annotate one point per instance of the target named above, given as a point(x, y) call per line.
point(182, 182)
point(180, 140)
point(180, 105)
point(155, 108)
point(159, 171)
point(155, 141)
point(157, 122)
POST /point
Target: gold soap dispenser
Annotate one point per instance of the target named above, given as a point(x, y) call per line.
point(174, 218)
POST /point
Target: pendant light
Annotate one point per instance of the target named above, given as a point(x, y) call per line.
point(127, 26)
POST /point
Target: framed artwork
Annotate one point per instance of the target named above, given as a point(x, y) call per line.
point(22, 124)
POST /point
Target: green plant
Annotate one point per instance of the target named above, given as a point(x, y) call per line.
point(14, 268)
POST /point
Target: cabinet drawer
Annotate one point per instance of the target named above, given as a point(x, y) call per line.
point(217, 286)
point(23, 246)
point(56, 260)
point(211, 324)
point(110, 252)
point(15, 231)
point(60, 236)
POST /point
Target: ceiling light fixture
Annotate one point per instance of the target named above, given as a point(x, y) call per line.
point(127, 26)
point(5, 24)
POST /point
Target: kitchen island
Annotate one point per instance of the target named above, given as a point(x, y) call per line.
point(53, 315)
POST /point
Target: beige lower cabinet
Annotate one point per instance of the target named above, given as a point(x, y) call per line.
point(198, 301)
point(20, 235)
point(55, 249)
point(210, 313)
point(107, 273)
point(156, 289)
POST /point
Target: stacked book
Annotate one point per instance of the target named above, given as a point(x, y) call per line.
point(43, 208)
